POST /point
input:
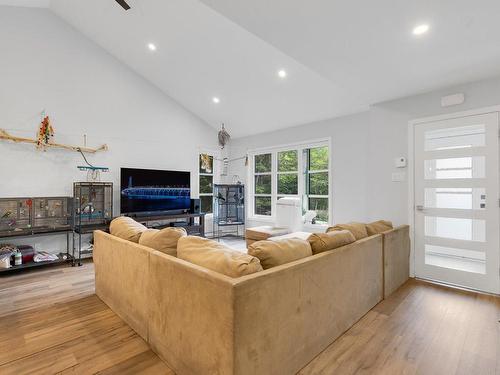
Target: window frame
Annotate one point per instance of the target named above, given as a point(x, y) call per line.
point(301, 177)
point(200, 174)
point(255, 174)
point(308, 172)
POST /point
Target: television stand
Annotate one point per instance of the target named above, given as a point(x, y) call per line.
point(192, 227)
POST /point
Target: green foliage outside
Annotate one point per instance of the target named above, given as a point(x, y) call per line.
point(287, 161)
point(262, 163)
point(288, 184)
point(206, 184)
point(320, 205)
point(318, 158)
point(206, 204)
point(263, 184)
point(263, 206)
point(318, 183)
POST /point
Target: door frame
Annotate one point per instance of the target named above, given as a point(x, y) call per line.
point(411, 165)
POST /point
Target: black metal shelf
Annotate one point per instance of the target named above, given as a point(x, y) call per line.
point(35, 232)
point(33, 264)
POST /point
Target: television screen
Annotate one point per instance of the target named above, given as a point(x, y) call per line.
point(153, 191)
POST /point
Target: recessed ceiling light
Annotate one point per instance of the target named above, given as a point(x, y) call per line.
point(216, 99)
point(151, 46)
point(421, 29)
point(282, 74)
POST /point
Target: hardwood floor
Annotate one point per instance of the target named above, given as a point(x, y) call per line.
point(51, 322)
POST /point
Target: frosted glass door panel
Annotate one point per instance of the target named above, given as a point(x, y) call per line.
point(457, 259)
point(456, 198)
point(452, 138)
point(467, 167)
point(455, 228)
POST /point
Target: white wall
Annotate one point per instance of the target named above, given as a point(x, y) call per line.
point(389, 139)
point(348, 158)
point(46, 64)
point(364, 147)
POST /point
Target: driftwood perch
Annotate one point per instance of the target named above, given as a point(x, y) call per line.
point(6, 136)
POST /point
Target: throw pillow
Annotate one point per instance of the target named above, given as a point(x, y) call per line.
point(379, 226)
point(164, 240)
point(357, 229)
point(126, 228)
point(331, 240)
point(216, 257)
point(274, 253)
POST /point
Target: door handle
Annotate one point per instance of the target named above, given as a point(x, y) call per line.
point(419, 207)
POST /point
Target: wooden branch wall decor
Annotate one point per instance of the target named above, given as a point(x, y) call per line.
point(44, 139)
point(6, 136)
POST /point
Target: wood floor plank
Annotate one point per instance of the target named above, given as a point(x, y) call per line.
point(52, 322)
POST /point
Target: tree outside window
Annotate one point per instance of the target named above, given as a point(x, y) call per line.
point(317, 181)
point(206, 182)
point(263, 184)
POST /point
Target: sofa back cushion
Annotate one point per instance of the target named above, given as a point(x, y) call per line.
point(331, 240)
point(274, 253)
point(379, 226)
point(357, 229)
point(126, 228)
point(164, 240)
point(216, 256)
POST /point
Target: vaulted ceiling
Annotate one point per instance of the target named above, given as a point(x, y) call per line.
point(339, 56)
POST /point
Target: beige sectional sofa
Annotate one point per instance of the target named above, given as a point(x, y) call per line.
point(270, 322)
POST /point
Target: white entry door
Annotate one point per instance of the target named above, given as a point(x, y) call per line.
point(457, 201)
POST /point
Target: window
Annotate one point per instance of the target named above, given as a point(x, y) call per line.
point(300, 171)
point(288, 173)
point(206, 182)
point(316, 178)
point(262, 184)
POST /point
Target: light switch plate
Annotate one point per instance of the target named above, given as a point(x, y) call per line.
point(398, 177)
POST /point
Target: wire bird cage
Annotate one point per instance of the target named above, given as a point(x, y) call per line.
point(15, 214)
point(229, 208)
point(35, 214)
point(52, 213)
point(93, 203)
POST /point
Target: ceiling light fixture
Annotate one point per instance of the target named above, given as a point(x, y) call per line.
point(421, 29)
point(216, 100)
point(282, 74)
point(151, 47)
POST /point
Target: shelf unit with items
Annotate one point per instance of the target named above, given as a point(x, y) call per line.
point(33, 217)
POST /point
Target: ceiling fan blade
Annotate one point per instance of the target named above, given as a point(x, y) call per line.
point(123, 4)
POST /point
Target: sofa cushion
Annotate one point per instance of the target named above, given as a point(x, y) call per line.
point(216, 256)
point(274, 253)
point(379, 226)
point(126, 228)
point(357, 229)
point(164, 240)
point(331, 240)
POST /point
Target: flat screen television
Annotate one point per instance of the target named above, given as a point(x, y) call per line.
point(150, 192)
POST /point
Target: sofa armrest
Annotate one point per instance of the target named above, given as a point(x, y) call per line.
point(122, 279)
point(396, 258)
point(191, 316)
point(286, 315)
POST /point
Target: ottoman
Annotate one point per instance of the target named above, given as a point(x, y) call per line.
point(263, 233)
